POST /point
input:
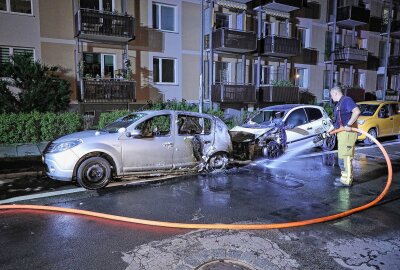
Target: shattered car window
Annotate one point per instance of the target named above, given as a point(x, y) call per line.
point(267, 116)
point(191, 125)
point(156, 126)
point(123, 122)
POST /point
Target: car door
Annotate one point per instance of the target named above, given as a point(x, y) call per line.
point(149, 151)
point(298, 129)
point(193, 138)
point(396, 118)
point(385, 121)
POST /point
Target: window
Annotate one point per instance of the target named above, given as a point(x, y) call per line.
point(296, 118)
point(106, 5)
point(222, 20)
point(98, 65)
point(191, 125)
point(302, 36)
point(267, 29)
point(164, 17)
point(16, 6)
point(222, 72)
point(156, 126)
point(164, 70)
point(282, 30)
point(313, 114)
point(301, 77)
point(7, 52)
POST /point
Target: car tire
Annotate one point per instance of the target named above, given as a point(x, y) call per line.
point(330, 143)
point(373, 133)
point(217, 162)
point(272, 150)
point(94, 173)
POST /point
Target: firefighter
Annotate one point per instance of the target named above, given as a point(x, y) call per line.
point(346, 113)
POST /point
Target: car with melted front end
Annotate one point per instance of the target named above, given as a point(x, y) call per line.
point(140, 142)
point(273, 130)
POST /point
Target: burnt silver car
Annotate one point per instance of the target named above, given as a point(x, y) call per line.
point(147, 141)
point(273, 130)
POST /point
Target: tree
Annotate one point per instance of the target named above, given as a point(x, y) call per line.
point(41, 88)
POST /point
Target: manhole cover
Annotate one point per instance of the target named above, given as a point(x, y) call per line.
point(223, 265)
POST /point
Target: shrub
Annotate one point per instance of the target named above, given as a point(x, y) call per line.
point(34, 127)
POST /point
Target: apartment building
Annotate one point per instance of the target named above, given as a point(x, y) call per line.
point(122, 53)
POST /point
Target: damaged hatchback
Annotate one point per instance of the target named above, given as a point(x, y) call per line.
point(273, 130)
point(147, 141)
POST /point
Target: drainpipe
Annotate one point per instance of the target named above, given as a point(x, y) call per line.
point(201, 81)
point(211, 54)
point(353, 44)
point(259, 32)
point(385, 77)
point(285, 61)
point(333, 43)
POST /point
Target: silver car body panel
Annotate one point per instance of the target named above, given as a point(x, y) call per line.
point(131, 154)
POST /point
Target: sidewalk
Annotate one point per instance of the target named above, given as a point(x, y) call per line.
point(21, 157)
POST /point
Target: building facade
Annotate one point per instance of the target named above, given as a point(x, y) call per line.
point(120, 54)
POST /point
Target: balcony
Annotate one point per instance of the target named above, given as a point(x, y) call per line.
point(233, 93)
point(278, 46)
point(394, 64)
point(348, 55)
point(235, 41)
point(311, 10)
point(283, 94)
point(307, 56)
point(352, 16)
point(375, 24)
point(357, 94)
point(108, 90)
point(94, 25)
point(394, 29)
point(282, 5)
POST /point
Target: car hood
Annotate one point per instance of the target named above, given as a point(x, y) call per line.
point(80, 135)
point(249, 132)
point(362, 117)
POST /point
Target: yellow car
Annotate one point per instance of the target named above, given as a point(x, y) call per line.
point(379, 119)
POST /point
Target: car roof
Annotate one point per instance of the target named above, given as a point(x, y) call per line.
point(376, 102)
point(286, 107)
point(152, 112)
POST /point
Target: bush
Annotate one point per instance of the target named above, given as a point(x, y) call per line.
point(108, 117)
point(34, 127)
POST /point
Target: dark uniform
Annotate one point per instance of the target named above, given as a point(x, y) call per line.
point(346, 139)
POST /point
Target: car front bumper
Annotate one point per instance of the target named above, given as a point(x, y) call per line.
point(60, 166)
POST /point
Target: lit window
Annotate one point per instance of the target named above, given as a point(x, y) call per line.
point(301, 77)
point(98, 65)
point(164, 17)
point(164, 70)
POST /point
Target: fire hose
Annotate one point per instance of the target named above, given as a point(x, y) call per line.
point(224, 226)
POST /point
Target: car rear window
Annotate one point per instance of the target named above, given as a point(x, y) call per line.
point(313, 114)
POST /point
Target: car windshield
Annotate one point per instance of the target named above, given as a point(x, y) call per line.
point(368, 109)
point(267, 116)
point(123, 122)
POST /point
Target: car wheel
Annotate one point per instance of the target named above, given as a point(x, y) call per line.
point(329, 143)
point(373, 133)
point(217, 162)
point(271, 150)
point(94, 173)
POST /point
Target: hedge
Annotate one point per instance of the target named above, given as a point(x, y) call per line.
point(35, 127)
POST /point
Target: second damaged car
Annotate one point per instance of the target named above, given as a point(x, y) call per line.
point(273, 130)
point(141, 142)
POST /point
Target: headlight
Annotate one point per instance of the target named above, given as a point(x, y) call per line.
point(360, 122)
point(64, 146)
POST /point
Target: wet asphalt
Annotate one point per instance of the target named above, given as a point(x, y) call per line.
point(294, 190)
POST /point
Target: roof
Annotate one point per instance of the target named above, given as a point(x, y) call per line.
point(285, 107)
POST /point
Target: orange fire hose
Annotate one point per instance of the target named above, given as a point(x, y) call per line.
point(224, 226)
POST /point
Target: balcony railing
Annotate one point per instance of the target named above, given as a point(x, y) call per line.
point(103, 26)
point(350, 16)
point(236, 41)
point(347, 55)
point(233, 93)
point(280, 46)
point(307, 56)
point(310, 11)
point(283, 5)
point(285, 94)
point(108, 90)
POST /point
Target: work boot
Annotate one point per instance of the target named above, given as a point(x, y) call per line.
point(339, 183)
